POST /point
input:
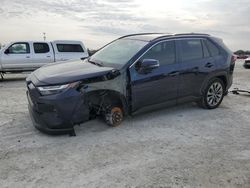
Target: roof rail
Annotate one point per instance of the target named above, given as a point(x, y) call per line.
point(164, 35)
point(181, 34)
point(202, 34)
point(135, 34)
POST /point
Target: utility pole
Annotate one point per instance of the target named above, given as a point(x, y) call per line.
point(44, 36)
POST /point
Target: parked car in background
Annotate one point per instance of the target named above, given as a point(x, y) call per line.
point(242, 56)
point(27, 56)
point(129, 75)
point(247, 63)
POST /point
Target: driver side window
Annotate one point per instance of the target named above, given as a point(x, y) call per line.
point(164, 52)
point(19, 48)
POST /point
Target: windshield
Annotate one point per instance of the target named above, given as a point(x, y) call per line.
point(118, 53)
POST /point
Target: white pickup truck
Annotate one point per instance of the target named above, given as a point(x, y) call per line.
point(27, 56)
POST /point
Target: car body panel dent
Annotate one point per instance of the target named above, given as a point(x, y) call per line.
point(117, 84)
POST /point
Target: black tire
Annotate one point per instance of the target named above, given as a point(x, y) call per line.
point(246, 66)
point(114, 115)
point(213, 94)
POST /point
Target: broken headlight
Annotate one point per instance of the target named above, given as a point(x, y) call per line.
point(51, 90)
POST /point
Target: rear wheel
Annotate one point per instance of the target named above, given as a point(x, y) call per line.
point(213, 94)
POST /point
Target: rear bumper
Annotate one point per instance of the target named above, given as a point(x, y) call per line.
point(57, 114)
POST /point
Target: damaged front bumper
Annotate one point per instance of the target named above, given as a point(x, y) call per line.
point(57, 114)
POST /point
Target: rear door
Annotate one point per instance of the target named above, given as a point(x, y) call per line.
point(196, 64)
point(42, 54)
point(162, 83)
point(17, 56)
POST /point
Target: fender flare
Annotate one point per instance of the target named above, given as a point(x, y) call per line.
point(215, 75)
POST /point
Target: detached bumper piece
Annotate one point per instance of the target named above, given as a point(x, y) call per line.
point(57, 114)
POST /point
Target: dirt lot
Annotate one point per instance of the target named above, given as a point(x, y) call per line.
point(182, 146)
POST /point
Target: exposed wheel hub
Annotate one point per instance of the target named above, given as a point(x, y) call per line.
point(115, 117)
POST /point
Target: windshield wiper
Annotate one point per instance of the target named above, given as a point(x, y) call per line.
point(96, 63)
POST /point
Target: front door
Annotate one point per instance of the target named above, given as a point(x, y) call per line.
point(17, 57)
point(159, 85)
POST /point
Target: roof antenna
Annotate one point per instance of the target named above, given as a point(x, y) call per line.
point(44, 36)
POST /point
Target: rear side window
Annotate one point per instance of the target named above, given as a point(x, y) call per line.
point(191, 49)
point(214, 51)
point(41, 48)
point(19, 48)
point(69, 48)
point(164, 52)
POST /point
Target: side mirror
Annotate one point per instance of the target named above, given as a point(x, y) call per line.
point(7, 51)
point(147, 65)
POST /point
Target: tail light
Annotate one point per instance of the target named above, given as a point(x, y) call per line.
point(233, 59)
point(232, 63)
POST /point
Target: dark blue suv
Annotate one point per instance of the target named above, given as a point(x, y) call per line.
point(131, 74)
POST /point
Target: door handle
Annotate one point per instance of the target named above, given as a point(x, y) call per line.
point(209, 65)
point(27, 56)
point(172, 74)
point(48, 56)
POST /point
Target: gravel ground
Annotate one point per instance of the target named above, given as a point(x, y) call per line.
point(182, 146)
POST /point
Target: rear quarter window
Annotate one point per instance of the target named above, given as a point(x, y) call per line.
point(69, 48)
point(212, 48)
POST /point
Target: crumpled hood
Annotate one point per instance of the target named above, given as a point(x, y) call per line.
point(67, 72)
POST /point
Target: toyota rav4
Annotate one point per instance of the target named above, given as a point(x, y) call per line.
point(134, 73)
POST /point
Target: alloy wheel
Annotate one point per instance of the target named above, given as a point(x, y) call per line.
point(214, 94)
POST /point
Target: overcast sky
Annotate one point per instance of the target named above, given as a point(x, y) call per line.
point(100, 21)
